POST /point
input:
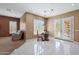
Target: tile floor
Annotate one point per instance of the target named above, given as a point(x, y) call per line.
point(51, 47)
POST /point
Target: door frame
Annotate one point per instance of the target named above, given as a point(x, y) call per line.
point(72, 28)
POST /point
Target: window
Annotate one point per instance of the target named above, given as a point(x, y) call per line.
point(38, 25)
point(12, 27)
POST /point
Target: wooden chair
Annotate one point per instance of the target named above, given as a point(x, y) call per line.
point(42, 37)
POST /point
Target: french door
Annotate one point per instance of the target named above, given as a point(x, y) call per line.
point(38, 26)
point(57, 28)
point(64, 28)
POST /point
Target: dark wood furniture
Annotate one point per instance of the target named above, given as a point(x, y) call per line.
point(43, 37)
point(18, 35)
point(46, 37)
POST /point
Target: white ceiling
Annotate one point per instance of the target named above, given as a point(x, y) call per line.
point(18, 9)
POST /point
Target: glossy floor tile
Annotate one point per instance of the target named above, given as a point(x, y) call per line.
point(51, 47)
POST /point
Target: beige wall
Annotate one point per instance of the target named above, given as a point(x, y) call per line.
point(27, 19)
point(76, 22)
point(23, 24)
point(26, 23)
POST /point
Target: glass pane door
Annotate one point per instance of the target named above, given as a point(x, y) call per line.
point(57, 28)
point(64, 28)
point(38, 25)
point(68, 28)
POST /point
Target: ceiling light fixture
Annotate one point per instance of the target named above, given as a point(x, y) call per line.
point(51, 9)
point(73, 4)
point(8, 9)
point(45, 11)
